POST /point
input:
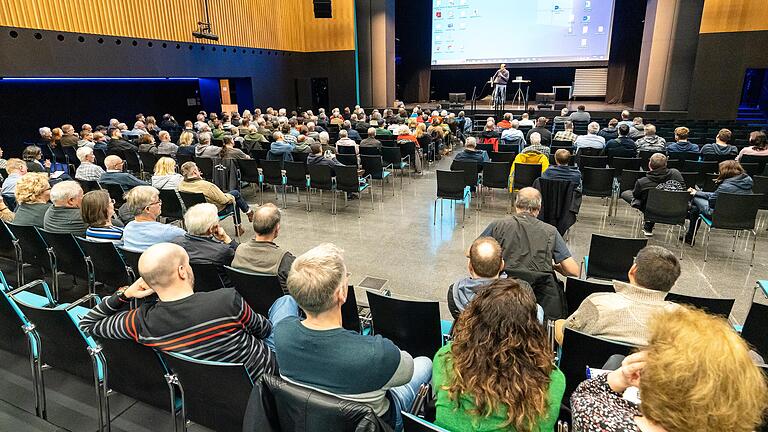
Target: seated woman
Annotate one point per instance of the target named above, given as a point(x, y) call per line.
point(758, 145)
point(98, 210)
point(732, 179)
point(403, 135)
point(147, 144)
point(498, 372)
point(32, 155)
point(186, 144)
point(143, 202)
point(228, 151)
point(696, 374)
point(165, 175)
point(32, 195)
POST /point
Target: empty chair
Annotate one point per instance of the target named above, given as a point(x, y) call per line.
point(760, 186)
point(321, 178)
point(347, 181)
point(272, 173)
point(759, 160)
point(619, 164)
point(502, 156)
point(754, 327)
point(107, 265)
point(471, 176)
point(88, 185)
point(148, 161)
point(496, 176)
point(347, 159)
point(69, 259)
point(412, 325)
point(296, 177)
point(173, 207)
point(733, 212)
point(628, 178)
point(30, 249)
point(598, 182)
point(487, 147)
point(116, 192)
point(450, 186)
point(669, 208)
point(576, 290)
point(525, 174)
point(206, 167)
point(249, 172)
point(611, 257)
point(131, 258)
point(392, 156)
point(714, 306)
point(374, 167)
point(258, 290)
point(593, 161)
point(213, 394)
point(133, 163)
point(208, 277)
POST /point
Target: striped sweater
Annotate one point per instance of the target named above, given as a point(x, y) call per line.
point(214, 326)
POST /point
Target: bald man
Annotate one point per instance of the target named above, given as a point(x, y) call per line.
point(115, 174)
point(485, 265)
point(196, 318)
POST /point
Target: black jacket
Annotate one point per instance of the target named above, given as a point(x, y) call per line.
point(650, 181)
point(119, 144)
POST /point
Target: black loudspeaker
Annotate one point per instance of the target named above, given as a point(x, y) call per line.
point(322, 8)
point(559, 106)
point(652, 107)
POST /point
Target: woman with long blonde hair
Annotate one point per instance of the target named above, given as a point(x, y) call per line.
point(498, 371)
point(165, 175)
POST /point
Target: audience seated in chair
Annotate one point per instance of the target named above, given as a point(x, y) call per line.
point(166, 147)
point(165, 175)
point(68, 138)
point(147, 144)
point(720, 147)
point(204, 149)
point(281, 149)
point(611, 131)
point(528, 243)
point(591, 139)
point(206, 242)
point(659, 177)
point(625, 315)
point(226, 202)
point(637, 129)
point(261, 254)
point(98, 212)
point(497, 373)
point(366, 369)
point(33, 157)
point(64, 216)
point(542, 129)
point(581, 115)
point(651, 141)
point(758, 145)
point(513, 134)
point(118, 144)
point(344, 141)
point(88, 170)
point(695, 374)
point(144, 203)
point(536, 145)
point(525, 120)
point(731, 179)
point(681, 143)
point(506, 122)
point(622, 146)
point(471, 154)
point(318, 157)
point(484, 265)
point(115, 174)
point(370, 140)
point(33, 193)
point(567, 134)
point(562, 118)
point(563, 171)
point(16, 170)
point(197, 320)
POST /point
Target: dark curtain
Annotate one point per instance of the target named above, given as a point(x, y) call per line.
point(413, 50)
point(624, 58)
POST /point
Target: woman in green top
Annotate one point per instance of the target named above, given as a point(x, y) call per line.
point(498, 373)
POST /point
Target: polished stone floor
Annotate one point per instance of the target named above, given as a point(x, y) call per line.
point(400, 241)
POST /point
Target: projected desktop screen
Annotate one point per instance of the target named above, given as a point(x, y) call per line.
point(483, 32)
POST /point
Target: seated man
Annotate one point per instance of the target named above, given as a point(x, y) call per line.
point(118, 144)
point(567, 134)
point(345, 141)
point(471, 154)
point(226, 202)
point(115, 174)
point(16, 168)
point(64, 215)
point(591, 139)
point(651, 141)
point(88, 170)
point(485, 264)
point(370, 140)
point(528, 243)
point(197, 320)
point(513, 135)
point(542, 130)
point(317, 157)
point(681, 143)
point(261, 254)
point(623, 146)
point(611, 131)
point(280, 149)
point(659, 174)
point(563, 171)
point(623, 315)
point(536, 145)
point(206, 242)
point(721, 147)
point(506, 123)
point(319, 353)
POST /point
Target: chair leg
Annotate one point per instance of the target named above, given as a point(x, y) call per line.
point(706, 243)
point(754, 244)
point(463, 213)
point(434, 211)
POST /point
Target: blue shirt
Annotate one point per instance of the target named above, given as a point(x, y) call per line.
point(138, 236)
point(590, 141)
point(105, 234)
point(9, 185)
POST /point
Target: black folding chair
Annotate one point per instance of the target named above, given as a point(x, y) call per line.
point(619, 164)
point(260, 291)
point(592, 161)
point(347, 181)
point(759, 160)
point(88, 185)
point(69, 259)
point(107, 265)
point(714, 306)
point(502, 156)
point(190, 199)
point(576, 290)
point(754, 327)
point(733, 212)
point(321, 178)
point(131, 258)
point(296, 177)
point(669, 208)
point(272, 174)
point(115, 191)
point(413, 326)
point(471, 175)
point(392, 156)
point(496, 176)
point(249, 173)
point(133, 162)
point(31, 249)
point(173, 207)
point(208, 277)
point(148, 162)
point(525, 174)
point(611, 257)
point(598, 182)
point(450, 186)
point(206, 167)
point(347, 159)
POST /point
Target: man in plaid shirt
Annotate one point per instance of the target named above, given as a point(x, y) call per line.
point(567, 134)
point(87, 170)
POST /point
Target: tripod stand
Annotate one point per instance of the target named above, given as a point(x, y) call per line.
point(520, 101)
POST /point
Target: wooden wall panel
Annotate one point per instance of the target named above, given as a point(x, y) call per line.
point(721, 16)
point(287, 25)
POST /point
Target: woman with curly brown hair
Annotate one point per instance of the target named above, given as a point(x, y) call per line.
point(498, 372)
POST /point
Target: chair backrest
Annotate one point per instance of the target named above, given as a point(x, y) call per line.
point(760, 186)
point(754, 328)
point(645, 157)
point(320, 177)
point(107, 264)
point(249, 170)
point(628, 179)
point(612, 257)
point(347, 179)
point(347, 159)
point(88, 185)
point(486, 147)
point(132, 162)
point(580, 350)
point(258, 290)
point(413, 326)
point(593, 161)
point(135, 371)
point(372, 165)
point(215, 394)
point(12, 336)
point(346, 149)
point(734, 211)
point(299, 156)
point(525, 174)
point(450, 184)
point(131, 258)
point(576, 290)
point(370, 151)
point(667, 207)
point(496, 174)
point(597, 181)
point(69, 256)
point(173, 207)
point(208, 277)
point(272, 171)
point(714, 306)
point(148, 161)
point(502, 156)
point(34, 250)
point(6, 242)
point(759, 160)
point(624, 163)
point(295, 173)
point(470, 171)
point(190, 199)
point(115, 192)
point(513, 147)
point(392, 155)
point(350, 319)
point(206, 167)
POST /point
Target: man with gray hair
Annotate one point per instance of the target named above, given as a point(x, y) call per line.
point(591, 139)
point(536, 145)
point(88, 170)
point(513, 135)
point(345, 141)
point(261, 254)
point(115, 174)
point(370, 140)
point(471, 154)
point(318, 352)
point(206, 242)
point(64, 215)
point(651, 141)
point(529, 243)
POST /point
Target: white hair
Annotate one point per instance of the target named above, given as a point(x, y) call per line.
point(593, 128)
point(404, 130)
point(471, 142)
point(83, 152)
point(200, 218)
point(65, 190)
point(324, 137)
point(278, 136)
point(44, 131)
point(343, 134)
point(564, 111)
point(535, 138)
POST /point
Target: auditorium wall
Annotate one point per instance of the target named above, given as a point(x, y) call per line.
point(733, 37)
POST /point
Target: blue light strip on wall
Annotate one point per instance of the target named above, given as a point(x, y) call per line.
point(97, 79)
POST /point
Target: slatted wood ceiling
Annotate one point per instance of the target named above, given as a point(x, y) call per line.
point(287, 25)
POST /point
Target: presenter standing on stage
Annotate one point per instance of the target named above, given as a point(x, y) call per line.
point(499, 80)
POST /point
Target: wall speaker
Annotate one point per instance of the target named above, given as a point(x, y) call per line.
point(652, 107)
point(322, 8)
